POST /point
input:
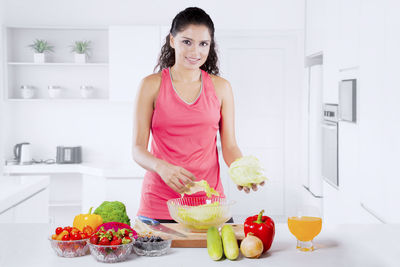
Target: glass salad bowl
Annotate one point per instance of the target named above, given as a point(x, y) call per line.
point(199, 213)
point(111, 253)
point(70, 249)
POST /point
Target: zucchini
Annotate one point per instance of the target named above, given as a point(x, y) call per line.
point(214, 243)
point(231, 248)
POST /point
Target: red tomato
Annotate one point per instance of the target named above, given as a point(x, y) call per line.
point(75, 236)
point(68, 228)
point(88, 230)
point(58, 230)
point(65, 238)
point(75, 230)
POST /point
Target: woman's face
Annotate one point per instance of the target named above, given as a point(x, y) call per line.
point(192, 46)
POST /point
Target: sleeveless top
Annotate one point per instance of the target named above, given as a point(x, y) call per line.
point(183, 134)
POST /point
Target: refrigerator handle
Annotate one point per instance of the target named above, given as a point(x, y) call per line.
point(308, 189)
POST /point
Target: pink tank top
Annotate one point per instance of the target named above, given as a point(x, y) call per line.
point(183, 134)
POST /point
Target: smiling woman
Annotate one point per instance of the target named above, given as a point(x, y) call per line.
point(183, 105)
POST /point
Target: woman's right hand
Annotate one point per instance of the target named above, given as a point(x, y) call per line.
point(176, 177)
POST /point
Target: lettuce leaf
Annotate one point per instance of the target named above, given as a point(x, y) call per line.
point(200, 216)
point(246, 171)
point(199, 186)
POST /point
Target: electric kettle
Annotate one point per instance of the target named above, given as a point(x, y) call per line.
point(22, 153)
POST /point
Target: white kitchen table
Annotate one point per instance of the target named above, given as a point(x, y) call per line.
point(338, 245)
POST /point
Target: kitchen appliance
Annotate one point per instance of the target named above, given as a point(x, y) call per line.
point(347, 100)
point(69, 155)
point(22, 153)
point(330, 168)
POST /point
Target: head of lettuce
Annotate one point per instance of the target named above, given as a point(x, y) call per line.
point(246, 171)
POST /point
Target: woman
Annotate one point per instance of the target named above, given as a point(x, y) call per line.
point(183, 105)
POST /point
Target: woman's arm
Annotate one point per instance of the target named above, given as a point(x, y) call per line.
point(174, 176)
point(230, 149)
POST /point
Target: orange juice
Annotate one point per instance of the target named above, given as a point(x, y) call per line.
point(305, 228)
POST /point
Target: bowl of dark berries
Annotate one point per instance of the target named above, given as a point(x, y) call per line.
point(110, 245)
point(151, 246)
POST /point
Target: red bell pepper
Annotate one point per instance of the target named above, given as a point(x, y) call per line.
point(262, 227)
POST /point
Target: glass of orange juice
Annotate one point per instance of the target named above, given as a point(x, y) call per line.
point(305, 226)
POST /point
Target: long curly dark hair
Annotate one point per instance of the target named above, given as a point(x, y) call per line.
point(196, 16)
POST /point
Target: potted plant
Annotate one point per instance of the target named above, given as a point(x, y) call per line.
point(40, 47)
point(81, 50)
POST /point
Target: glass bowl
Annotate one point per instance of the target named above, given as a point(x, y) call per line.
point(113, 253)
point(70, 249)
point(200, 213)
point(152, 248)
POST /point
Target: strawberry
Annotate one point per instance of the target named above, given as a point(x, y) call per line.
point(104, 241)
point(117, 241)
point(94, 239)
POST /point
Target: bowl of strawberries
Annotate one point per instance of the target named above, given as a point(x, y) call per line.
point(69, 242)
point(112, 242)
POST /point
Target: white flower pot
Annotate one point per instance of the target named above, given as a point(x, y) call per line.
point(27, 92)
point(39, 57)
point(87, 91)
point(54, 91)
point(80, 58)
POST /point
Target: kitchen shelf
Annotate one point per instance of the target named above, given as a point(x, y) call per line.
point(58, 64)
point(59, 68)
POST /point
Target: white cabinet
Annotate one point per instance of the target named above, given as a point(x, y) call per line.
point(25, 200)
point(315, 26)
point(379, 125)
point(331, 52)
point(134, 51)
point(349, 33)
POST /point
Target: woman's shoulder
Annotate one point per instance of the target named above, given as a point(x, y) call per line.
point(221, 85)
point(152, 80)
point(151, 83)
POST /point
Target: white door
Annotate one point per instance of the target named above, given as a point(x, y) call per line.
point(259, 68)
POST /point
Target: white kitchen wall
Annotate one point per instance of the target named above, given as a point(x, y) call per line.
point(1, 88)
point(104, 129)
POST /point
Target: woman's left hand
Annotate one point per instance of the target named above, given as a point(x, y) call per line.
point(247, 189)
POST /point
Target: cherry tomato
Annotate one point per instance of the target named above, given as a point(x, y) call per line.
point(65, 238)
point(75, 230)
point(75, 236)
point(68, 228)
point(88, 230)
point(59, 230)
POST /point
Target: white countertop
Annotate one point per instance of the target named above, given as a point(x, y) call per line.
point(15, 189)
point(96, 169)
point(366, 245)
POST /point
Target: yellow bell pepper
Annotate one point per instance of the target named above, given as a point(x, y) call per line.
point(93, 220)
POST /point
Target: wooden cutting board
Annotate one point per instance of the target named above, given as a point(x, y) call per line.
point(197, 239)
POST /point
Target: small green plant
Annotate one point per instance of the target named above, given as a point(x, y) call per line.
point(81, 47)
point(41, 46)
